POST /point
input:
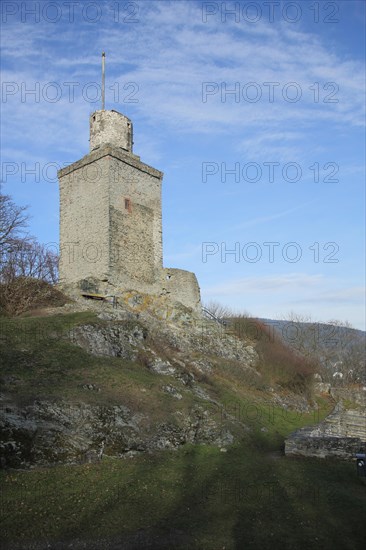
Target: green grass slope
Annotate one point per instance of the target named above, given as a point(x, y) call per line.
point(198, 497)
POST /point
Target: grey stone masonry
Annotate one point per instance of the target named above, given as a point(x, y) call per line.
point(340, 434)
point(110, 127)
point(111, 218)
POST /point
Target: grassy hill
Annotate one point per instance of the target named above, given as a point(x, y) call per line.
point(197, 496)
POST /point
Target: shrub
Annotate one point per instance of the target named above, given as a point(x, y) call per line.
point(23, 294)
point(278, 363)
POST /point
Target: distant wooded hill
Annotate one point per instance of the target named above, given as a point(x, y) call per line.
point(338, 348)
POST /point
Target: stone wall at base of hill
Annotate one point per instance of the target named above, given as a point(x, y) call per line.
point(299, 444)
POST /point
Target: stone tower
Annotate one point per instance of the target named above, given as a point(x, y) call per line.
point(110, 219)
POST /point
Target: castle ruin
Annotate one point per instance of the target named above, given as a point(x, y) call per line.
point(111, 219)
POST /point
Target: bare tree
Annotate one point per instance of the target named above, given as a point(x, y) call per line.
point(13, 221)
point(28, 258)
point(301, 333)
point(20, 254)
point(218, 310)
point(335, 346)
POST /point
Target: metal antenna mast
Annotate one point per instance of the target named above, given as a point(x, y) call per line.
point(103, 81)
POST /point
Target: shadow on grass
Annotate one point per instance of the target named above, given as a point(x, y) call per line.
point(193, 498)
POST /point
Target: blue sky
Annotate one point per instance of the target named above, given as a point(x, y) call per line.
point(256, 118)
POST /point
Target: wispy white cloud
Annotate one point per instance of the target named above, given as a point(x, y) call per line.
point(353, 295)
point(284, 146)
point(275, 297)
point(169, 53)
point(171, 65)
point(265, 219)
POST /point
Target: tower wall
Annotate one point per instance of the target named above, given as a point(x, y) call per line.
point(84, 220)
point(110, 127)
point(136, 223)
point(111, 219)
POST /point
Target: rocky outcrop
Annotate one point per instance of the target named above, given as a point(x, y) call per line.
point(45, 431)
point(173, 323)
point(169, 344)
point(122, 339)
point(49, 433)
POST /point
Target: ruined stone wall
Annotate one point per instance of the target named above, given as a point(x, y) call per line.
point(181, 286)
point(84, 215)
point(323, 447)
point(340, 434)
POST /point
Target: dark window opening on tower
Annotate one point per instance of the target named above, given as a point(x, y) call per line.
point(94, 118)
point(127, 204)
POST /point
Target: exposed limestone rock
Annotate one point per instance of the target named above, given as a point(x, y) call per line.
point(168, 340)
point(322, 387)
point(161, 367)
point(114, 340)
point(50, 433)
point(172, 391)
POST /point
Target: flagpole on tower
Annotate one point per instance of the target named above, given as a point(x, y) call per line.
point(103, 81)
